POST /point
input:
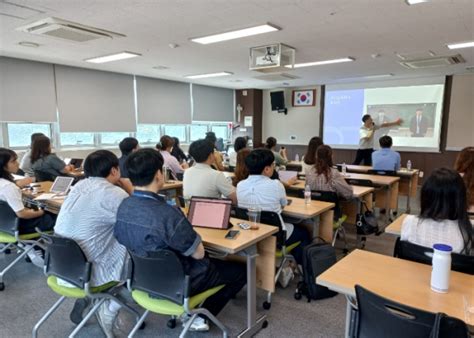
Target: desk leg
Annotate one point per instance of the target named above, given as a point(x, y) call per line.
point(253, 324)
point(409, 194)
point(326, 220)
point(347, 329)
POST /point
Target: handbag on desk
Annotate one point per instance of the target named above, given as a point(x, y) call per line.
point(366, 222)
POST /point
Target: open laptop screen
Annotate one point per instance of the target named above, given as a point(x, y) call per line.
point(209, 212)
point(62, 184)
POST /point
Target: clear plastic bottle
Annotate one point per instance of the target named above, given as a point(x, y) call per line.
point(441, 268)
point(344, 169)
point(307, 194)
point(297, 158)
point(408, 165)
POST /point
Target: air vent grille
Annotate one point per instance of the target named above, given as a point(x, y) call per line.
point(437, 61)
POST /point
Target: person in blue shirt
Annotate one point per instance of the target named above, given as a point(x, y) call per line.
point(386, 158)
point(146, 223)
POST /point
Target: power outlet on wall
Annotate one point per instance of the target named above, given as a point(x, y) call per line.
point(293, 137)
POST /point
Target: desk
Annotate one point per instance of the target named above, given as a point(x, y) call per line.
point(52, 205)
point(400, 280)
point(299, 209)
point(258, 246)
point(395, 228)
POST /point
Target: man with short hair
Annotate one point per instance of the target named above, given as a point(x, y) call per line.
point(418, 124)
point(366, 140)
point(127, 146)
point(385, 158)
point(25, 163)
point(146, 223)
point(88, 217)
point(201, 179)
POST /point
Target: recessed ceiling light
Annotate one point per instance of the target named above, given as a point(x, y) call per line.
point(368, 77)
point(113, 57)
point(236, 34)
point(415, 2)
point(320, 63)
point(236, 80)
point(461, 45)
point(202, 76)
point(28, 44)
point(160, 67)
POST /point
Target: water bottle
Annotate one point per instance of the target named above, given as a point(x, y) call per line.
point(307, 194)
point(344, 169)
point(297, 158)
point(441, 268)
point(409, 165)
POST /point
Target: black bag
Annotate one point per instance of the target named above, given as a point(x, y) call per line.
point(317, 258)
point(366, 222)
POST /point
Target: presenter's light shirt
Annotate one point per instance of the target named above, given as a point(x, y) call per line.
point(364, 142)
point(386, 159)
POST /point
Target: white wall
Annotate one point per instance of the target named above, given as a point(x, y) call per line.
point(302, 122)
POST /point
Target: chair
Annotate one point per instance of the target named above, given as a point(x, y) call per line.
point(360, 182)
point(66, 260)
point(421, 254)
point(158, 284)
point(283, 251)
point(42, 176)
point(11, 238)
point(231, 169)
point(382, 172)
point(339, 218)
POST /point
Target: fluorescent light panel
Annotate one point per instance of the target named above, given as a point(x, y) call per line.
point(203, 76)
point(461, 45)
point(320, 63)
point(415, 2)
point(113, 57)
point(241, 33)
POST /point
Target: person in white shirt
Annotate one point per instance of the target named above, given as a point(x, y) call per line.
point(239, 143)
point(259, 190)
point(201, 179)
point(166, 147)
point(25, 163)
point(443, 214)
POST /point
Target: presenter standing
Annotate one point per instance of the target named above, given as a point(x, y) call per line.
point(366, 140)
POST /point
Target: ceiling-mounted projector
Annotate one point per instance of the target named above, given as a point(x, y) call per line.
point(271, 58)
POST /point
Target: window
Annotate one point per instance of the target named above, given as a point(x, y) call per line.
point(19, 134)
point(176, 130)
point(113, 138)
point(77, 139)
point(148, 133)
point(198, 131)
point(221, 131)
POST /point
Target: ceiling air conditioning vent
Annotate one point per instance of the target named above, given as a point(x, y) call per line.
point(436, 61)
point(67, 30)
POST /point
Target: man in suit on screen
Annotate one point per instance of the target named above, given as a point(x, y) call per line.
point(419, 124)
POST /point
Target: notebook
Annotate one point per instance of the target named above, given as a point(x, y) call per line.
point(61, 184)
point(210, 212)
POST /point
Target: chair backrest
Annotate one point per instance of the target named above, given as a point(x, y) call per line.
point(382, 172)
point(160, 274)
point(231, 169)
point(360, 182)
point(8, 219)
point(42, 176)
point(325, 196)
point(421, 254)
point(381, 317)
point(66, 260)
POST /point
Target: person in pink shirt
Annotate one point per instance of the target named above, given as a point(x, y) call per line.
point(165, 147)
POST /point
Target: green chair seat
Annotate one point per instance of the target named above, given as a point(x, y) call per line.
point(8, 238)
point(337, 224)
point(289, 248)
point(166, 307)
point(75, 292)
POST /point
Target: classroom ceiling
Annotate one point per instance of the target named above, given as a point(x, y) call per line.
point(371, 31)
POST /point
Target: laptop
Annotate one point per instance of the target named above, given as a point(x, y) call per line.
point(286, 175)
point(61, 184)
point(76, 162)
point(210, 212)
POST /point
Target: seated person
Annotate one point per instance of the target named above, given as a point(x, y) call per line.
point(88, 217)
point(201, 179)
point(309, 159)
point(146, 223)
point(25, 163)
point(324, 177)
point(443, 214)
point(259, 190)
point(218, 159)
point(465, 167)
point(177, 152)
point(165, 147)
point(385, 158)
point(280, 156)
point(44, 161)
point(239, 143)
point(127, 146)
point(10, 193)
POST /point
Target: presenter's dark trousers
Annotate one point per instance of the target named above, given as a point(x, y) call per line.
point(364, 155)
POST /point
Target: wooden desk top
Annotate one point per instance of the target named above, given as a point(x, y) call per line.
point(376, 179)
point(298, 208)
point(358, 190)
point(395, 228)
point(172, 185)
point(400, 280)
point(215, 239)
point(365, 168)
point(228, 174)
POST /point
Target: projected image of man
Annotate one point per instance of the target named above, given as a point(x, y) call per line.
point(366, 138)
point(418, 124)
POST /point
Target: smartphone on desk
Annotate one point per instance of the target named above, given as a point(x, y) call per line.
point(232, 234)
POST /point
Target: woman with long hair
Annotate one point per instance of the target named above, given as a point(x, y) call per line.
point(239, 143)
point(166, 147)
point(177, 152)
point(465, 167)
point(322, 176)
point(44, 161)
point(443, 214)
point(280, 156)
point(241, 172)
point(10, 193)
point(309, 159)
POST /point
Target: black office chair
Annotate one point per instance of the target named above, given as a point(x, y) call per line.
point(283, 251)
point(421, 254)
point(360, 182)
point(66, 260)
point(382, 172)
point(231, 168)
point(42, 176)
point(158, 284)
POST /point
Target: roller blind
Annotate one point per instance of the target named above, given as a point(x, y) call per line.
point(26, 91)
point(94, 101)
point(461, 113)
point(212, 104)
point(162, 101)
